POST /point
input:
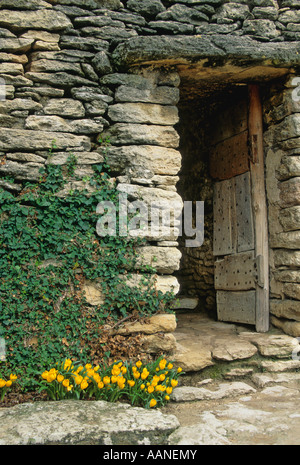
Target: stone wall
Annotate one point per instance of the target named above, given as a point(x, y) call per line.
point(282, 146)
point(74, 69)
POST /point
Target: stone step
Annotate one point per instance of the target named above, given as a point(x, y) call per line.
point(77, 423)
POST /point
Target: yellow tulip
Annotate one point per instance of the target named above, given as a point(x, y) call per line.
point(124, 370)
point(169, 390)
point(179, 370)
point(59, 378)
point(174, 383)
point(51, 377)
point(170, 366)
point(131, 382)
point(45, 374)
point(139, 364)
point(153, 403)
point(142, 386)
point(84, 385)
point(162, 364)
point(13, 377)
point(106, 380)
point(66, 382)
point(150, 389)
point(114, 379)
point(100, 385)
point(78, 379)
point(167, 397)
point(67, 364)
point(2, 383)
point(8, 383)
point(136, 375)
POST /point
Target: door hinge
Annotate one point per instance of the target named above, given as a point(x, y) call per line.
point(260, 271)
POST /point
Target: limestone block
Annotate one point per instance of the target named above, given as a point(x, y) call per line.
point(82, 158)
point(149, 8)
point(277, 345)
point(94, 422)
point(17, 139)
point(287, 240)
point(44, 36)
point(292, 290)
point(166, 283)
point(11, 68)
point(160, 323)
point(16, 45)
point(59, 78)
point(164, 260)
point(128, 134)
point(93, 292)
point(159, 160)
point(22, 59)
point(289, 128)
point(9, 106)
point(89, 94)
point(64, 107)
point(47, 19)
point(289, 167)
point(55, 66)
point(155, 343)
point(289, 16)
point(162, 95)
point(101, 63)
point(183, 14)
point(290, 258)
point(25, 4)
point(192, 359)
point(290, 192)
point(56, 123)
point(131, 80)
point(21, 171)
point(290, 218)
point(25, 157)
point(292, 328)
point(153, 196)
point(144, 113)
point(261, 28)
point(289, 309)
point(288, 276)
point(233, 350)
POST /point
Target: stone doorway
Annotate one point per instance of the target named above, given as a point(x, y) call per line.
point(199, 122)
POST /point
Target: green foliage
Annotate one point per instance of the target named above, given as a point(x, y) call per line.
point(48, 247)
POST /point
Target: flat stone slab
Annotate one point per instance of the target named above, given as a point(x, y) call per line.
point(191, 393)
point(84, 423)
point(202, 342)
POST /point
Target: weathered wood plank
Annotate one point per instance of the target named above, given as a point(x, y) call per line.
point(238, 307)
point(260, 213)
point(236, 272)
point(244, 215)
point(224, 222)
point(231, 119)
point(230, 157)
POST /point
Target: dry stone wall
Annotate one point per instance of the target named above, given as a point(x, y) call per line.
point(282, 147)
point(67, 75)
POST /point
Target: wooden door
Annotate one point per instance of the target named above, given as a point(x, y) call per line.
point(240, 213)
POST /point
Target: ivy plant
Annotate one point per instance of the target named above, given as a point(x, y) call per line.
point(48, 248)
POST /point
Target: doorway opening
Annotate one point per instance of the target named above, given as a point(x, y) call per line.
point(227, 277)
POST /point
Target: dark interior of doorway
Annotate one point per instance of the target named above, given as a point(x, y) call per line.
point(200, 117)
